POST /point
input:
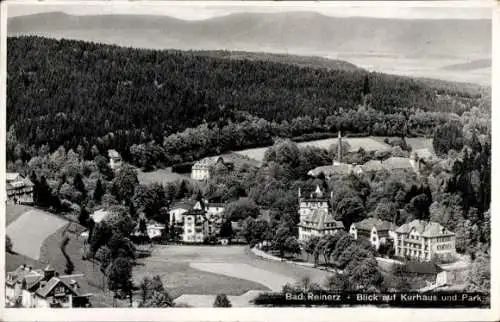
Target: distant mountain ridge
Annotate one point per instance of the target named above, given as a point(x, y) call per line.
point(446, 42)
point(294, 30)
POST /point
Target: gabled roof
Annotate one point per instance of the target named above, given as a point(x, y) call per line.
point(50, 285)
point(99, 215)
point(394, 163)
point(31, 276)
point(114, 154)
point(10, 176)
point(208, 161)
point(319, 218)
point(368, 223)
point(425, 228)
point(186, 204)
point(329, 170)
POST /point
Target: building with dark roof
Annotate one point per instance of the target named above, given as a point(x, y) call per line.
point(36, 288)
point(318, 223)
point(197, 218)
point(423, 241)
point(375, 230)
point(337, 168)
point(202, 170)
point(315, 200)
point(19, 189)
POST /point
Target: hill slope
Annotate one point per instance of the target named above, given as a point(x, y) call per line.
point(414, 47)
point(84, 94)
point(294, 30)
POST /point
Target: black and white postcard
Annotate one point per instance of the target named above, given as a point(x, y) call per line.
point(248, 160)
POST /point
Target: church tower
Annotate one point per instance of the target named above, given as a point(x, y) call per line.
point(339, 150)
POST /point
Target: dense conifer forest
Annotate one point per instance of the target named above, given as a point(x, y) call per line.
point(87, 96)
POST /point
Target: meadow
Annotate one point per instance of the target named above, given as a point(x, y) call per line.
point(372, 143)
point(30, 229)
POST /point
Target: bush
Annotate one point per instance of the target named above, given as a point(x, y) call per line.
point(8, 244)
point(222, 301)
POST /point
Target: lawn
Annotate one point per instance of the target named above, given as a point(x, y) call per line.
point(415, 143)
point(161, 176)
point(12, 212)
point(92, 280)
point(30, 229)
point(233, 270)
point(367, 143)
point(172, 263)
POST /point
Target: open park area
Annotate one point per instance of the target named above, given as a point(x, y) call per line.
point(194, 275)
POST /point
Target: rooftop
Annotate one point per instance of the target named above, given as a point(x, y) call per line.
point(379, 224)
point(10, 176)
point(394, 163)
point(99, 215)
point(425, 228)
point(319, 220)
point(114, 154)
point(329, 170)
point(209, 161)
point(44, 290)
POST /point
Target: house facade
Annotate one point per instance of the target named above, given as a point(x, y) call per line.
point(203, 169)
point(422, 240)
point(319, 223)
point(19, 189)
point(316, 200)
point(177, 210)
point(376, 231)
point(42, 288)
point(195, 226)
point(197, 219)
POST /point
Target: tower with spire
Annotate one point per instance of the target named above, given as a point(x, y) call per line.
point(316, 200)
point(339, 150)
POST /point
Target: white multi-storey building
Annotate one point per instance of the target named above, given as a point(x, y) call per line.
point(423, 241)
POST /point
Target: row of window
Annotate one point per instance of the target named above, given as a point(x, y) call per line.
point(443, 247)
point(444, 239)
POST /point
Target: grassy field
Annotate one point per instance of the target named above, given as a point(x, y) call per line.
point(161, 176)
point(12, 212)
point(30, 229)
point(92, 281)
point(372, 143)
point(367, 143)
point(172, 263)
point(233, 270)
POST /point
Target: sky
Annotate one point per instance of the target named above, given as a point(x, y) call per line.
point(191, 10)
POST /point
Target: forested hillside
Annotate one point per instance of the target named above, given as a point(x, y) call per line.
point(87, 97)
